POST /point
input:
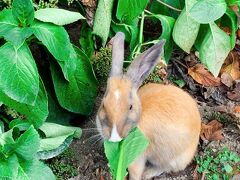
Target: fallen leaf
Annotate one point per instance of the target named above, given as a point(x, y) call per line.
point(200, 74)
point(231, 65)
point(235, 93)
point(236, 109)
point(226, 79)
point(101, 177)
point(212, 131)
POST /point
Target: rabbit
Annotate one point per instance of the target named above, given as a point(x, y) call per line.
point(166, 115)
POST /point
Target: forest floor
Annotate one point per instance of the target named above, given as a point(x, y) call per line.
point(88, 157)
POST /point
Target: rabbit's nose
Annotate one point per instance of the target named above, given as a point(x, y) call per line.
point(115, 135)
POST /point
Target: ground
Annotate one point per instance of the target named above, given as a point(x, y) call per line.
point(88, 154)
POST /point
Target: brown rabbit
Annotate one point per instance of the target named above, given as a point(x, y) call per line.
point(167, 115)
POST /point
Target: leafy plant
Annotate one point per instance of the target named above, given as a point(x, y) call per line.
point(191, 24)
point(27, 139)
point(121, 154)
point(221, 165)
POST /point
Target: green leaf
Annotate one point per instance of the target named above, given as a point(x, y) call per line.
point(52, 130)
point(228, 168)
point(158, 8)
point(130, 31)
point(167, 26)
point(6, 138)
point(18, 76)
point(36, 114)
point(234, 26)
point(86, 39)
point(121, 154)
point(10, 30)
point(58, 138)
point(57, 16)
point(214, 49)
point(56, 39)
point(77, 95)
point(27, 144)
point(22, 125)
point(185, 25)
point(201, 35)
point(23, 11)
point(233, 2)
point(102, 19)
point(128, 10)
point(34, 170)
point(207, 11)
point(8, 167)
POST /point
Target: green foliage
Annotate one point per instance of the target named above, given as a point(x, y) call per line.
point(22, 88)
point(128, 10)
point(102, 19)
point(182, 20)
point(102, 64)
point(121, 154)
point(18, 157)
point(221, 165)
point(57, 16)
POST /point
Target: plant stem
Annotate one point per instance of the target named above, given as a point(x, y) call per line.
point(137, 49)
point(167, 5)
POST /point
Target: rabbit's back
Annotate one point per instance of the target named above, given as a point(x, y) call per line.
point(171, 121)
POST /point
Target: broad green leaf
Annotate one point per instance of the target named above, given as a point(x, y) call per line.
point(34, 169)
point(56, 39)
point(57, 16)
point(158, 8)
point(58, 138)
point(86, 39)
point(186, 29)
point(36, 114)
point(19, 78)
point(77, 95)
point(6, 138)
point(214, 49)
point(234, 26)
point(23, 11)
point(10, 30)
point(52, 147)
point(128, 10)
point(8, 167)
point(121, 154)
point(102, 19)
point(52, 130)
point(201, 35)
point(167, 26)
point(22, 125)
point(27, 144)
point(207, 11)
point(130, 31)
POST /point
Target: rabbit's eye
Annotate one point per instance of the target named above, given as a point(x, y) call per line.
point(130, 108)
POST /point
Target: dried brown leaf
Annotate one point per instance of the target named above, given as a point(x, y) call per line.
point(212, 131)
point(231, 66)
point(226, 79)
point(235, 93)
point(200, 74)
point(236, 109)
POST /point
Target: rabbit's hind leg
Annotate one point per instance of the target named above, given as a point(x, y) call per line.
point(151, 171)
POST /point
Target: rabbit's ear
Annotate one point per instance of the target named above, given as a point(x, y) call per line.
point(117, 54)
point(142, 65)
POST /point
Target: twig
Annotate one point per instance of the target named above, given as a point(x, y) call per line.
point(183, 65)
point(169, 6)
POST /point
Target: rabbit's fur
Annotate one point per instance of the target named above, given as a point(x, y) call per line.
point(166, 115)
